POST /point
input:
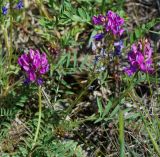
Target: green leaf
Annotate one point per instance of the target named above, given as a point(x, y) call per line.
point(115, 111)
point(81, 13)
point(107, 109)
point(137, 33)
point(100, 107)
point(68, 59)
point(131, 37)
point(84, 61)
point(76, 18)
point(121, 133)
point(75, 59)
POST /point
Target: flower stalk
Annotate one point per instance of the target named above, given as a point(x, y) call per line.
point(11, 33)
point(39, 115)
point(5, 33)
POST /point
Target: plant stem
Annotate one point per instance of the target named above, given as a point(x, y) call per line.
point(39, 115)
point(121, 134)
point(5, 33)
point(149, 83)
point(103, 6)
point(11, 33)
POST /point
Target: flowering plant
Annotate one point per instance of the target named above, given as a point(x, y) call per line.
point(19, 5)
point(110, 38)
point(34, 64)
point(111, 22)
point(140, 58)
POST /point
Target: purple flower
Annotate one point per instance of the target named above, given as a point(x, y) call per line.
point(140, 58)
point(26, 81)
point(39, 81)
point(98, 20)
point(98, 37)
point(19, 5)
point(130, 71)
point(111, 22)
point(5, 9)
point(135, 58)
point(34, 64)
point(118, 46)
point(114, 24)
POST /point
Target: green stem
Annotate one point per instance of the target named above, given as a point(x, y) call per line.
point(149, 83)
point(39, 115)
point(103, 6)
point(121, 134)
point(11, 33)
point(5, 33)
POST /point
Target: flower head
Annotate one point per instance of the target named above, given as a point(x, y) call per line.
point(5, 9)
point(140, 58)
point(114, 23)
point(34, 64)
point(19, 5)
point(111, 22)
point(99, 20)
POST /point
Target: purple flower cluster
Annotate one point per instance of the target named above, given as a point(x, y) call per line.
point(140, 58)
point(19, 5)
point(5, 9)
point(99, 20)
point(34, 64)
point(112, 22)
point(115, 23)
